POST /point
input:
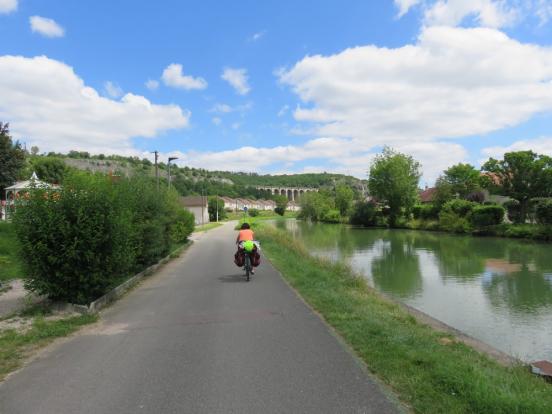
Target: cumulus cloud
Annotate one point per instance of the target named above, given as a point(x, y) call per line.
point(238, 79)
point(8, 6)
point(173, 76)
point(541, 145)
point(152, 84)
point(453, 82)
point(48, 105)
point(405, 5)
point(46, 27)
point(113, 90)
point(216, 120)
point(486, 13)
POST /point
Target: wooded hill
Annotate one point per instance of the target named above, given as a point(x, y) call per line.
point(187, 180)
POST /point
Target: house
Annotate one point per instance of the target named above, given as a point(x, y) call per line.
point(198, 205)
point(427, 195)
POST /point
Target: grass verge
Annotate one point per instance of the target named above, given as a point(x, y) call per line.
point(10, 266)
point(208, 226)
point(16, 346)
point(428, 370)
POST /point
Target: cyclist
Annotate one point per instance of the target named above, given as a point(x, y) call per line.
point(245, 235)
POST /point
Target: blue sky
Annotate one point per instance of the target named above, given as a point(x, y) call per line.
point(280, 86)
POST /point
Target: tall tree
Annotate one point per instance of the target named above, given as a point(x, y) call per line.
point(12, 158)
point(281, 204)
point(394, 180)
point(521, 175)
point(460, 180)
point(343, 199)
point(216, 204)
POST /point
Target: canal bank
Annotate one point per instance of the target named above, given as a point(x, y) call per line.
point(432, 371)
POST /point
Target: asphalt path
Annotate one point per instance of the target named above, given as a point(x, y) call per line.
point(197, 338)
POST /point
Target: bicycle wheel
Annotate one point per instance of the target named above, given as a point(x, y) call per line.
point(247, 267)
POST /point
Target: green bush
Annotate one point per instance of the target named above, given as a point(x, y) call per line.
point(182, 226)
point(253, 212)
point(364, 214)
point(451, 221)
point(460, 207)
point(76, 242)
point(425, 211)
point(486, 215)
point(332, 216)
point(544, 212)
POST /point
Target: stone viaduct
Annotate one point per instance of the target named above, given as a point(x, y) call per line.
point(292, 193)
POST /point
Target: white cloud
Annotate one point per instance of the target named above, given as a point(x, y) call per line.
point(543, 9)
point(46, 27)
point(223, 108)
point(216, 120)
point(488, 13)
point(541, 145)
point(48, 105)
point(238, 79)
point(152, 84)
point(257, 36)
point(454, 82)
point(113, 90)
point(173, 76)
point(405, 5)
point(236, 125)
point(283, 110)
point(8, 6)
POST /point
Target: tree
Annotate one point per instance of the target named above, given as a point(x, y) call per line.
point(52, 170)
point(460, 180)
point(216, 204)
point(12, 158)
point(34, 150)
point(316, 206)
point(393, 179)
point(281, 204)
point(343, 199)
point(521, 175)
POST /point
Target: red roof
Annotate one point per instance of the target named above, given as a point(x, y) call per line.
point(427, 195)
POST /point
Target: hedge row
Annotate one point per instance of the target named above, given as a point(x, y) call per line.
point(79, 241)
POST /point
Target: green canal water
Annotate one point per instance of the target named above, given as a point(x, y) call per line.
point(496, 290)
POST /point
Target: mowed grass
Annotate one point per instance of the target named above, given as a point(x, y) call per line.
point(428, 370)
point(10, 266)
point(16, 346)
point(208, 226)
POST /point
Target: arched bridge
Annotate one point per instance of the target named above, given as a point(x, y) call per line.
point(292, 193)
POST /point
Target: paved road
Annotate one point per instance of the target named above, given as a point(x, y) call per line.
point(196, 338)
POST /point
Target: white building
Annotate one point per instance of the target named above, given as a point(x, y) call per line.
point(198, 205)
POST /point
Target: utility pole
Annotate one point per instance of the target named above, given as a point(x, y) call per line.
point(217, 206)
point(156, 168)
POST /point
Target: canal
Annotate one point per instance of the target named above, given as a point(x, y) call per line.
point(496, 290)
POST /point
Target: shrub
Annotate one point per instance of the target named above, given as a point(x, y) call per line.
point(425, 211)
point(76, 242)
point(544, 212)
point(487, 215)
point(253, 212)
point(450, 221)
point(332, 216)
point(460, 207)
point(182, 226)
point(364, 214)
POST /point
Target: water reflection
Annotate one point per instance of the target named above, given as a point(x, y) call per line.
point(498, 290)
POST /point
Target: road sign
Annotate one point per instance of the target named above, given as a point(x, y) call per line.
point(245, 208)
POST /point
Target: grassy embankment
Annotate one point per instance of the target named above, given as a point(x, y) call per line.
point(509, 230)
point(17, 344)
point(428, 370)
point(10, 266)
